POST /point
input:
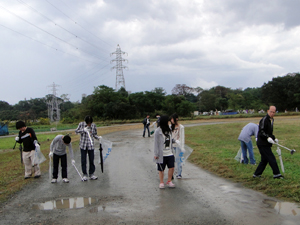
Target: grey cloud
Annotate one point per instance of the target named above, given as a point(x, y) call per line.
point(198, 42)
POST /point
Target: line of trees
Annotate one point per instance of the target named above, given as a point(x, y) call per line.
point(106, 103)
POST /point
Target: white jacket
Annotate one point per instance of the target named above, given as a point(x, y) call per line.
point(181, 137)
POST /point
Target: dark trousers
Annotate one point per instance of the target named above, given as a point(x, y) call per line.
point(63, 162)
point(267, 156)
point(90, 153)
point(146, 127)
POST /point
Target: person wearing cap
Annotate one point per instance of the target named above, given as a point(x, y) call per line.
point(158, 120)
point(29, 140)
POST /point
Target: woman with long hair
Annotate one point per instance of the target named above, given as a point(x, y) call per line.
point(163, 155)
point(178, 146)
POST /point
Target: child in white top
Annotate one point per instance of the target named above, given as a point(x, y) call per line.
point(178, 147)
point(163, 155)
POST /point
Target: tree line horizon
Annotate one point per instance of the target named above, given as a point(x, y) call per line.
point(106, 103)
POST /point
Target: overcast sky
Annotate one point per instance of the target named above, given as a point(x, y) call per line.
point(200, 43)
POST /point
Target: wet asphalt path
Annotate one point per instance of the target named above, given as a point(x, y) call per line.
point(127, 193)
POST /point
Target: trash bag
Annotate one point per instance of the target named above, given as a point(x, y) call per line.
point(182, 157)
point(38, 156)
point(107, 146)
point(239, 156)
point(153, 127)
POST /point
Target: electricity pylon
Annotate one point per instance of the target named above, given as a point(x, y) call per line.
point(120, 80)
point(53, 104)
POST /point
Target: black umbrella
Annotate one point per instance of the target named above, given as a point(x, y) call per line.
point(20, 148)
point(101, 157)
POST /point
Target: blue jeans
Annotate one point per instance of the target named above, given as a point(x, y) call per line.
point(248, 146)
point(178, 161)
point(146, 127)
point(91, 160)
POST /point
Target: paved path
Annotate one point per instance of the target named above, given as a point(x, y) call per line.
point(127, 193)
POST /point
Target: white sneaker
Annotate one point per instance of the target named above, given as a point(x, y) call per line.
point(161, 185)
point(93, 177)
point(65, 180)
point(170, 184)
point(54, 180)
point(84, 178)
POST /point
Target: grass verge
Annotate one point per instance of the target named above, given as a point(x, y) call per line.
point(12, 171)
point(215, 147)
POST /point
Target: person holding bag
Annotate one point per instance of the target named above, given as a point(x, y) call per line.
point(163, 155)
point(178, 146)
point(30, 143)
point(58, 151)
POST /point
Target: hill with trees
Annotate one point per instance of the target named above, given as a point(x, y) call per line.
point(106, 103)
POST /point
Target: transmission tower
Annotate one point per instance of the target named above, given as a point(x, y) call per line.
point(53, 104)
point(120, 80)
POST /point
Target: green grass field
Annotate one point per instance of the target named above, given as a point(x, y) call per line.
point(215, 147)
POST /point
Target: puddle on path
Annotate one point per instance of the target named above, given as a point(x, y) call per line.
point(284, 208)
point(98, 209)
point(69, 203)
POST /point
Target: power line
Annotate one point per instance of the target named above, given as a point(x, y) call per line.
point(28, 6)
point(87, 84)
point(74, 80)
point(45, 44)
point(48, 32)
point(77, 23)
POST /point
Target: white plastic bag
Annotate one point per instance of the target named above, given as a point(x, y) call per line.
point(38, 156)
point(182, 157)
point(239, 156)
point(107, 146)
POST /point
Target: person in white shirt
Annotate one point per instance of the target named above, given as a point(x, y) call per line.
point(178, 146)
point(163, 155)
point(58, 151)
